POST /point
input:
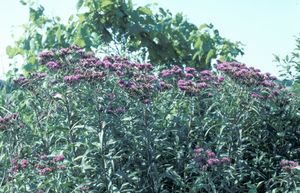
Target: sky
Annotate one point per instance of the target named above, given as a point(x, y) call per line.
point(265, 27)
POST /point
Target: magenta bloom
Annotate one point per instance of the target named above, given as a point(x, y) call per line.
point(206, 73)
point(198, 150)
point(165, 73)
point(221, 79)
point(255, 95)
point(45, 170)
point(58, 158)
point(210, 154)
point(189, 69)
point(21, 80)
point(213, 161)
point(189, 75)
point(226, 160)
point(181, 82)
point(61, 167)
point(288, 165)
point(24, 163)
point(8, 118)
point(73, 78)
point(52, 65)
point(46, 55)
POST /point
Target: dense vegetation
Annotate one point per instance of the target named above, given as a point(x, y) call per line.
point(78, 121)
point(110, 125)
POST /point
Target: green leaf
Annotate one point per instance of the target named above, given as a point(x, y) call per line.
point(210, 55)
point(145, 10)
point(203, 26)
point(79, 4)
point(105, 3)
point(11, 52)
point(28, 67)
point(173, 175)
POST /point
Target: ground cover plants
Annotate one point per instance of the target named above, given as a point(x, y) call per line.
point(86, 124)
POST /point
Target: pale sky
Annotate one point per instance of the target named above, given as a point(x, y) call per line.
point(266, 27)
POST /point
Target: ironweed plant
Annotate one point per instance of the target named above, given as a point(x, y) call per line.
point(85, 124)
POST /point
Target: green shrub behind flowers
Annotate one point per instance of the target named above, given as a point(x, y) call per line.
point(85, 124)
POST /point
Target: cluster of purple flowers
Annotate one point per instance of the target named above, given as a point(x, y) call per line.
point(21, 81)
point(51, 55)
point(251, 77)
point(47, 164)
point(90, 76)
point(73, 78)
point(18, 164)
point(53, 65)
point(45, 56)
point(138, 78)
point(141, 86)
point(288, 165)
point(91, 62)
point(207, 159)
point(70, 50)
point(189, 79)
point(247, 75)
point(8, 118)
point(44, 164)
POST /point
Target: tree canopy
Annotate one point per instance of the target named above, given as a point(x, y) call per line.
point(102, 24)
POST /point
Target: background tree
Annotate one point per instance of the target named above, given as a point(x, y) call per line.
point(119, 25)
point(290, 67)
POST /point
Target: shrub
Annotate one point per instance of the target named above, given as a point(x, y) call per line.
point(86, 124)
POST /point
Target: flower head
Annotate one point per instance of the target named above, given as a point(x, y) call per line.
point(53, 65)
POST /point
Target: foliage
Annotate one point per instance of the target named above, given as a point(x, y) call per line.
point(86, 124)
point(117, 25)
point(290, 67)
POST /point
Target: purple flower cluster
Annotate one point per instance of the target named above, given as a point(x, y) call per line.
point(208, 159)
point(52, 65)
point(247, 75)
point(251, 77)
point(21, 81)
point(91, 62)
point(138, 79)
point(8, 118)
point(18, 164)
point(165, 86)
point(70, 50)
point(33, 78)
point(73, 78)
point(175, 71)
point(288, 166)
point(189, 79)
point(44, 164)
point(45, 56)
point(58, 158)
point(47, 164)
point(141, 86)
